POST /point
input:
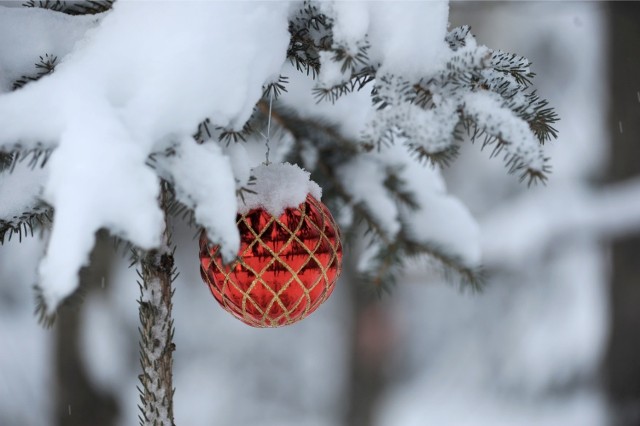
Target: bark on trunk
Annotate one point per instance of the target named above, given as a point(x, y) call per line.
point(156, 334)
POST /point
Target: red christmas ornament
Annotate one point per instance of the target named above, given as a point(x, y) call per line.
point(286, 266)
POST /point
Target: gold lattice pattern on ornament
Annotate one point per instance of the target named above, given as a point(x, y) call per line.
point(276, 261)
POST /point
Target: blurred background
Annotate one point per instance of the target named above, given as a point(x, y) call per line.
point(554, 339)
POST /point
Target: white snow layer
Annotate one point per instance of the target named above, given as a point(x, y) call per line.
point(363, 178)
point(407, 38)
point(211, 195)
point(141, 80)
point(442, 219)
point(37, 32)
point(277, 187)
point(486, 108)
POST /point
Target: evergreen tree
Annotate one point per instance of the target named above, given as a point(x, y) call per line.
point(162, 110)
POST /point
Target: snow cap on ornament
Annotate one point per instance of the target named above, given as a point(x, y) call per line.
point(290, 252)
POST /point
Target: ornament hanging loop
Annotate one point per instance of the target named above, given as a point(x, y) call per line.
point(268, 136)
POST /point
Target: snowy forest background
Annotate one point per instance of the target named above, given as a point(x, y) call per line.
point(551, 340)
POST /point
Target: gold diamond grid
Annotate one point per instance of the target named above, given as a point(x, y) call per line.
point(326, 221)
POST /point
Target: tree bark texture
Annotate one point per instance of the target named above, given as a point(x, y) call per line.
point(156, 334)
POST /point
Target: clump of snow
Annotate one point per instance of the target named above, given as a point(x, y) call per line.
point(240, 162)
point(441, 220)
point(211, 195)
point(407, 38)
point(351, 22)
point(348, 113)
point(330, 71)
point(142, 79)
point(277, 187)
point(446, 222)
point(37, 32)
point(363, 178)
point(433, 129)
point(487, 110)
point(90, 186)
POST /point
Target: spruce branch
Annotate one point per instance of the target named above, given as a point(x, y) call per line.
point(335, 150)
point(512, 155)
point(6, 160)
point(91, 7)
point(47, 318)
point(74, 7)
point(442, 157)
point(457, 38)
point(310, 33)
point(25, 224)
point(331, 94)
point(55, 5)
point(203, 132)
point(443, 95)
point(452, 267)
point(514, 65)
point(391, 260)
point(396, 186)
point(127, 249)
point(230, 135)
point(206, 130)
point(45, 66)
point(36, 157)
point(351, 62)
point(358, 80)
point(33, 213)
point(180, 211)
point(276, 88)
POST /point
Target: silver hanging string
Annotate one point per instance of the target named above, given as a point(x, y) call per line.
point(268, 135)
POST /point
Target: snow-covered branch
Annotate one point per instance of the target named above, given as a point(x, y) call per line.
point(139, 94)
point(122, 95)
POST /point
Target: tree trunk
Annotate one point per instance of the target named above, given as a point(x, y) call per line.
point(156, 332)
point(622, 364)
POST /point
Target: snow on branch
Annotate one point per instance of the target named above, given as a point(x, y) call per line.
point(142, 79)
point(139, 94)
point(212, 196)
point(38, 32)
point(402, 204)
point(20, 188)
point(430, 91)
point(507, 132)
